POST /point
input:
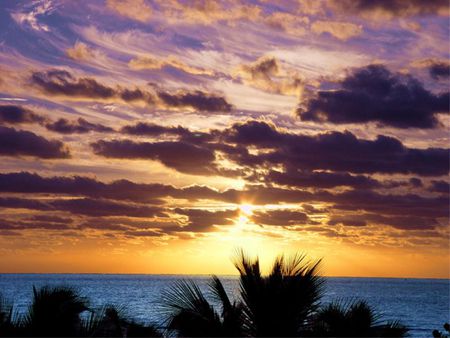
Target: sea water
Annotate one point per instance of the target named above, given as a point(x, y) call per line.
point(421, 304)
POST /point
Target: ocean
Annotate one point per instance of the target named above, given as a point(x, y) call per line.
point(421, 304)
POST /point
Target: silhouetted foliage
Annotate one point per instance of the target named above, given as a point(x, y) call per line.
point(285, 303)
point(355, 319)
point(7, 325)
point(191, 315)
point(111, 321)
point(54, 312)
point(439, 334)
point(281, 303)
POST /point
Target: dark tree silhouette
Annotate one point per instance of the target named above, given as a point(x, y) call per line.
point(285, 303)
point(191, 315)
point(355, 319)
point(281, 303)
point(54, 312)
point(7, 325)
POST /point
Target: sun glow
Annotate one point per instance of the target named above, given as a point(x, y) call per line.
point(246, 209)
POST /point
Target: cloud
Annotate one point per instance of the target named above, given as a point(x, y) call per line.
point(440, 186)
point(11, 114)
point(440, 71)
point(204, 220)
point(333, 151)
point(25, 143)
point(29, 183)
point(374, 94)
point(151, 129)
point(289, 23)
point(195, 99)
point(98, 203)
point(151, 62)
point(99, 207)
point(24, 225)
point(134, 9)
point(399, 222)
point(24, 203)
point(265, 74)
point(80, 126)
point(181, 156)
point(280, 217)
point(385, 10)
point(296, 178)
point(29, 15)
point(208, 11)
point(340, 30)
point(437, 68)
point(63, 83)
point(50, 218)
point(81, 52)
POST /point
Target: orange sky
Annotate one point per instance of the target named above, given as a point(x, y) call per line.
point(156, 137)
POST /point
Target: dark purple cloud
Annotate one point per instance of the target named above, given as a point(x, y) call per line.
point(440, 186)
point(294, 178)
point(24, 203)
point(29, 183)
point(98, 204)
point(11, 114)
point(181, 156)
point(439, 70)
point(335, 151)
point(299, 154)
point(151, 129)
point(374, 94)
point(80, 126)
point(61, 82)
point(396, 8)
point(25, 225)
point(399, 222)
point(283, 217)
point(100, 207)
point(25, 143)
point(197, 99)
point(205, 220)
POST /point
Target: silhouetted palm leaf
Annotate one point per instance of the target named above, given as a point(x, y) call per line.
point(54, 312)
point(111, 321)
point(353, 319)
point(281, 303)
point(189, 313)
point(232, 313)
point(7, 325)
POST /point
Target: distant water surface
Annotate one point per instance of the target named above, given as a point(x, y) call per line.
point(421, 304)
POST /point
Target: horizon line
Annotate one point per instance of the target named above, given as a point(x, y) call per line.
point(198, 274)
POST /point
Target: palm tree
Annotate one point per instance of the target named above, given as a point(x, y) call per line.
point(282, 303)
point(279, 304)
point(7, 324)
point(190, 314)
point(54, 312)
point(354, 319)
point(110, 321)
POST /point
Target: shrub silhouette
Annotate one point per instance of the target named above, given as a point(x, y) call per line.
point(355, 319)
point(54, 312)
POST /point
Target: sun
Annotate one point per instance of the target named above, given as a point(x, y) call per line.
point(246, 209)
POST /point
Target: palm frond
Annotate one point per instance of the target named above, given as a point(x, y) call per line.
point(188, 312)
point(54, 311)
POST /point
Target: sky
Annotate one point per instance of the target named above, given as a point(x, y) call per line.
point(162, 136)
